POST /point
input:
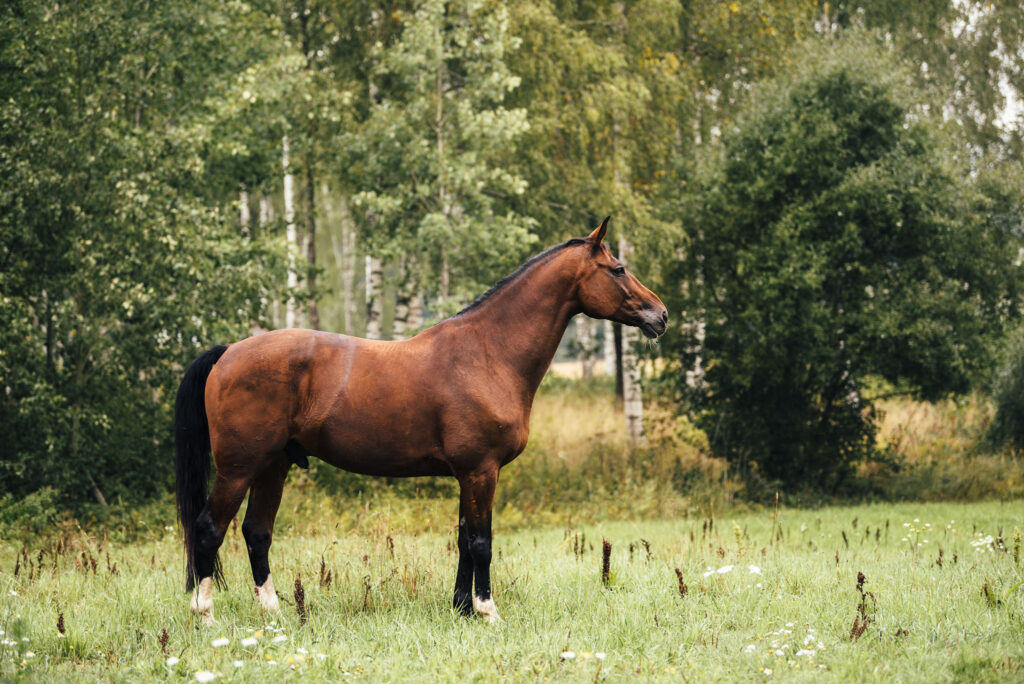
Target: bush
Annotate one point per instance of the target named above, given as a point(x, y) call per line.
point(835, 238)
point(1007, 426)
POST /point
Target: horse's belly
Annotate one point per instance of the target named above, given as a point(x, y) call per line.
point(395, 453)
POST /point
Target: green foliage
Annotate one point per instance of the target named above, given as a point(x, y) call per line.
point(452, 137)
point(1007, 427)
point(115, 270)
point(431, 147)
point(835, 237)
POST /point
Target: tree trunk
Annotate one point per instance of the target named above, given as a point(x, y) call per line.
point(291, 236)
point(244, 218)
point(266, 213)
point(401, 321)
point(416, 311)
point(609, 348)
point(374, 297)
point(348, 268)
point(632, 396)
point(314, 312)
point(617, 341)
point(408, 300)
point(585, 340)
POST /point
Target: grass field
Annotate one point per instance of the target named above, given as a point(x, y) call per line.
point(758, 604)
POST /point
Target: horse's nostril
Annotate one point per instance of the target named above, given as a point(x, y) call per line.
point(664, 316)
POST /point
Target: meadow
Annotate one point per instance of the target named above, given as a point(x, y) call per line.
point(700, 585)
point(866, 593)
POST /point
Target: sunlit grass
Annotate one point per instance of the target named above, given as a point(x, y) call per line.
point(783, 610)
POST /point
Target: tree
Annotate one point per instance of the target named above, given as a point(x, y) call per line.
point(428, 151)
point(116, 265)
point(835, 239)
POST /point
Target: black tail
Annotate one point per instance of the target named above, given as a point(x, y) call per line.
point(192, 454)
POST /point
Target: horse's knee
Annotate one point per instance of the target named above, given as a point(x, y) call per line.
point(257, 539)
point(480, 549)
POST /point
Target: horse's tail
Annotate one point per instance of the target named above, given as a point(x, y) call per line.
point(192, 454)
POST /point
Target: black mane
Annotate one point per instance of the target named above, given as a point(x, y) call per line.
point(537, 258)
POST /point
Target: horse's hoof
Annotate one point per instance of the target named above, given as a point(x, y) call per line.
point(486, 610)
point(268, 597)
point(202, 601)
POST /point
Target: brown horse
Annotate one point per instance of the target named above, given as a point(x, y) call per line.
point(454, 400)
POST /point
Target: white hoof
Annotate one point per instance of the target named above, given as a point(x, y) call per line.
point(267, 596)
point(486, 610)
point(202, 601)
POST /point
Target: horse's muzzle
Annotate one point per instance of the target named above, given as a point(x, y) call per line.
point(654, 323)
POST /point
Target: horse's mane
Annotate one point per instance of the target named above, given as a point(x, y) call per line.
point(525, 266)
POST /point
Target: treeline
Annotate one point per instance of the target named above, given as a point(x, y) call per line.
point(825, 192)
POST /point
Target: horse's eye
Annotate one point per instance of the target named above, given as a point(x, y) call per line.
point(619, 271)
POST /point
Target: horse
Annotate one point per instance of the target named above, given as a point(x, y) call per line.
point(453, 400)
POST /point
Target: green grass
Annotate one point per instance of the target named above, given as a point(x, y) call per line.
point(386, 615)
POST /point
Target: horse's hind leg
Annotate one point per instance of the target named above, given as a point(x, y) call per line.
point(258, 527)
point(213, 522)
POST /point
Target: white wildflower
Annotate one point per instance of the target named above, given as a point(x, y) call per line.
point(222, 641)
point(568, 655)
point(754, 570)
point(249, 641)
point(279, 639)
point(805, 652)
point(172, 661)
point(205, 676)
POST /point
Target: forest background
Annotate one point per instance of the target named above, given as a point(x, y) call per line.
point(827, 195)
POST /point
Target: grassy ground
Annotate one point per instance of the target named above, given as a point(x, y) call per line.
point(776, 605)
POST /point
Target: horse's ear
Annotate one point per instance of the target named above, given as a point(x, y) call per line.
point(598, 235)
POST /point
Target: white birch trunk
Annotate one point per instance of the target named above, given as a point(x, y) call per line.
point(408, 314)
point(266, 214)
point(264, 218)
point(374, 297)
point(416, 312)
point(291, 237)
point(632, 395)
point(585, 340)
point(609, 349)
point(244, 217)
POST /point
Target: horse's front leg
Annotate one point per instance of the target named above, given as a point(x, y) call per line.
point(463, 600)
point(476, 500)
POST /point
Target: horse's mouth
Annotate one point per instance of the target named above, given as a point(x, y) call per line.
point(653, 330)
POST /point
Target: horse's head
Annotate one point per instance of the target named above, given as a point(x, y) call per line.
point(607, 290)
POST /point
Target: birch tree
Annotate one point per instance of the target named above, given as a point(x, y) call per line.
point(433, 146)
point(632, 393)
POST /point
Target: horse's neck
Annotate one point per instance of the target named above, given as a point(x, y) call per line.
point(521, 325)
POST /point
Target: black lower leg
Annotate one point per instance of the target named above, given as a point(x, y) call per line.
point(463, 601)
point(207, 543)
point(480, 550)
point(257, 542)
